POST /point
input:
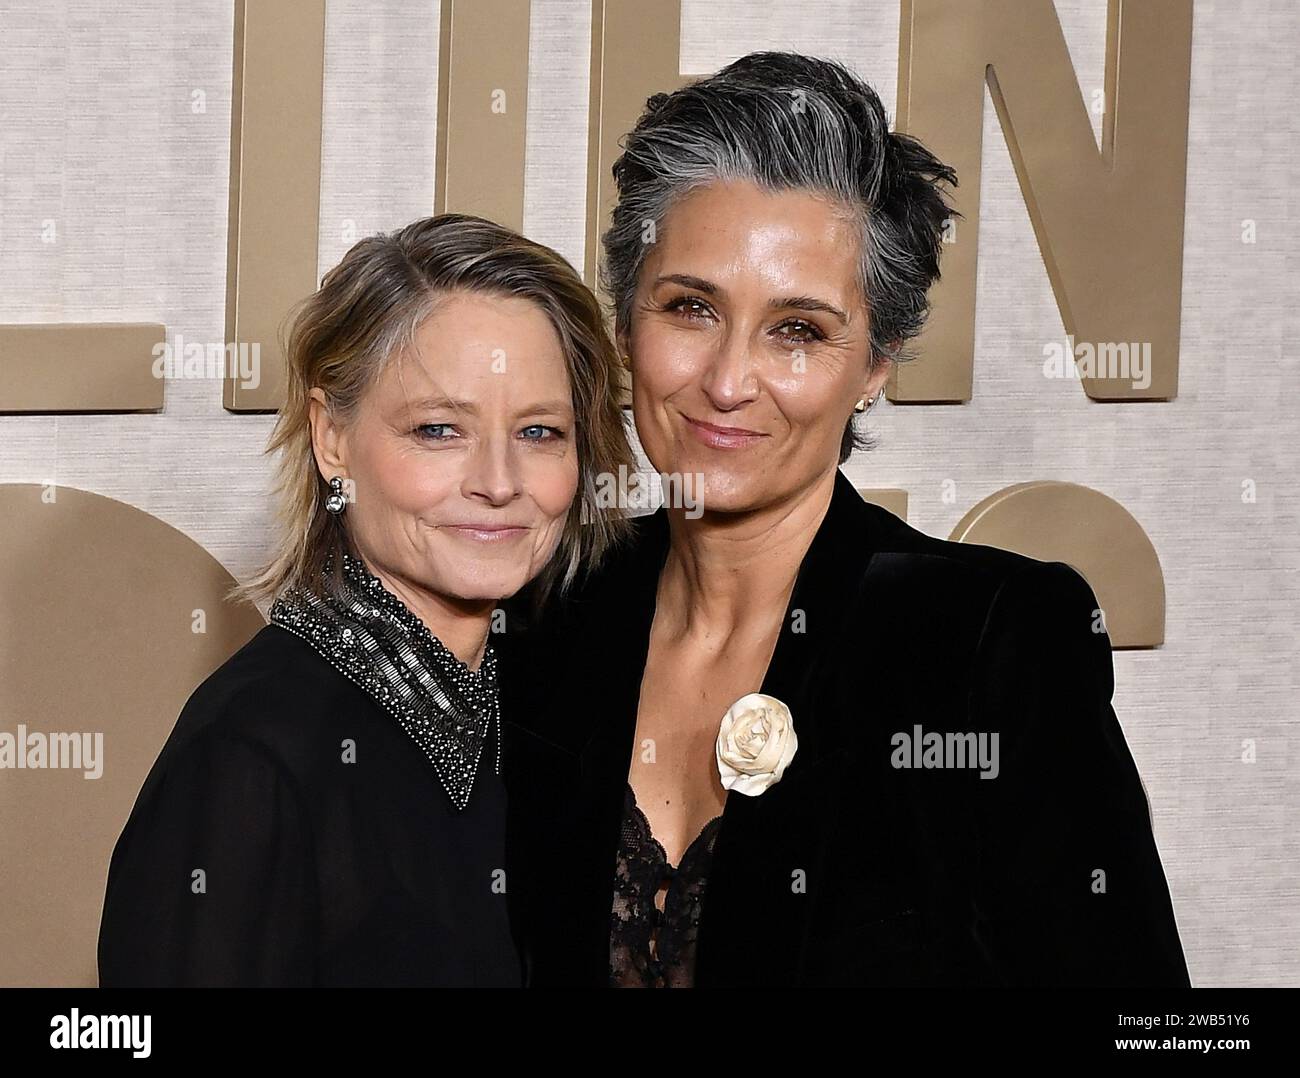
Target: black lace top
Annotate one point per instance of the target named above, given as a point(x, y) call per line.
point(649, 947)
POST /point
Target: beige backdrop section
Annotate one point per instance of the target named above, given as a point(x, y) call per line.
point(114, 188)
point(110, 619)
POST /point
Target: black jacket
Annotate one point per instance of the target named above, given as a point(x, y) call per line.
point(1045, 875)
point(330, 854)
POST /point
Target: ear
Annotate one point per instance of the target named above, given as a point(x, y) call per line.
point(876, 380)
point(327, 438)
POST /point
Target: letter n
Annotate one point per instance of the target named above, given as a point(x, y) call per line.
point(1109, 223)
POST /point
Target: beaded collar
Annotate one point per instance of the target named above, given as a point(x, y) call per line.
point(365, 632)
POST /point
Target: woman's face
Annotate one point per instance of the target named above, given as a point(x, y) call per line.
point(462, 454)
point(749, 342)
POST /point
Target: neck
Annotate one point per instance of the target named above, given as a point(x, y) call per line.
point(726, 572)
point(461, 625)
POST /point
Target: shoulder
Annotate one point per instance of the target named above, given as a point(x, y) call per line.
point(898, 538)
point(898, 543)
point(950, 585)
point(272, 672)
point(272, 696)
point(996, 609)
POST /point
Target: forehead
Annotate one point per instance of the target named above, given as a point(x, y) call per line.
point(477, 345)
point(740, 231)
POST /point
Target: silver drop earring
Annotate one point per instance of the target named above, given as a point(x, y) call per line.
point(336, 502)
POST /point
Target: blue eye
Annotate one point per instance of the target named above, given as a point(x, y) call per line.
point(432, 431)
point(547, 433)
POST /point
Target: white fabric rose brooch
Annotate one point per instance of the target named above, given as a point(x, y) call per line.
point(756, 743)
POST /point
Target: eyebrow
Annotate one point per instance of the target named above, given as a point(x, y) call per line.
point(799, 303)
point(554, 407)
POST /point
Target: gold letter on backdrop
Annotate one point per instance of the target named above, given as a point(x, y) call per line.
point(275, 154)
point(1089, 531)
point(482, 109)
point(635, 52)
point(1109, 224)
point(275, 140)
point(81, 367)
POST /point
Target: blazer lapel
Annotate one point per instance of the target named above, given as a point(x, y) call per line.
point(762, 839)
point(766, 841)
point(837, 559)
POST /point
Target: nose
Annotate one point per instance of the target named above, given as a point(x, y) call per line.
point(731, 378)
point(491, 473)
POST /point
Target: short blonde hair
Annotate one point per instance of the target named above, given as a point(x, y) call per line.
point(367, 311)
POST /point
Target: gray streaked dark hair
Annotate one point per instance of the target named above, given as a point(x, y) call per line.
point(786, 121)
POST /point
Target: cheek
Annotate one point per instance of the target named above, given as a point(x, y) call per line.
point(553, 483)
point(809, 401)
point(406, 482)
point(667, 361)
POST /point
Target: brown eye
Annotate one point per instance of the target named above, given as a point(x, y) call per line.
point(689, 306)
point(799, 331)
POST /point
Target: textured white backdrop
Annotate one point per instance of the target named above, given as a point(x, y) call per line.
point(99, 135)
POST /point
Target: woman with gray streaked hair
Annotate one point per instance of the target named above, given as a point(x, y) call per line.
point(770, 791)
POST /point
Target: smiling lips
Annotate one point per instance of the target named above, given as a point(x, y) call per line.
point(722, 437)
point(487, 533)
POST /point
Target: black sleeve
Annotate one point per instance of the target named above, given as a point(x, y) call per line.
point(211, 882)
point(1070, 887)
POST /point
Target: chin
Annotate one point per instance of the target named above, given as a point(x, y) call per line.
point(732, 492)
point(475, 585)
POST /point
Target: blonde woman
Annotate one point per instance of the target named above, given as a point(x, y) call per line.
point(328, 809)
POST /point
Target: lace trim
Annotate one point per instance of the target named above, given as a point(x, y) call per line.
point(650, 948)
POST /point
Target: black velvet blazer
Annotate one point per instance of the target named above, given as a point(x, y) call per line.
point(851, 870)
